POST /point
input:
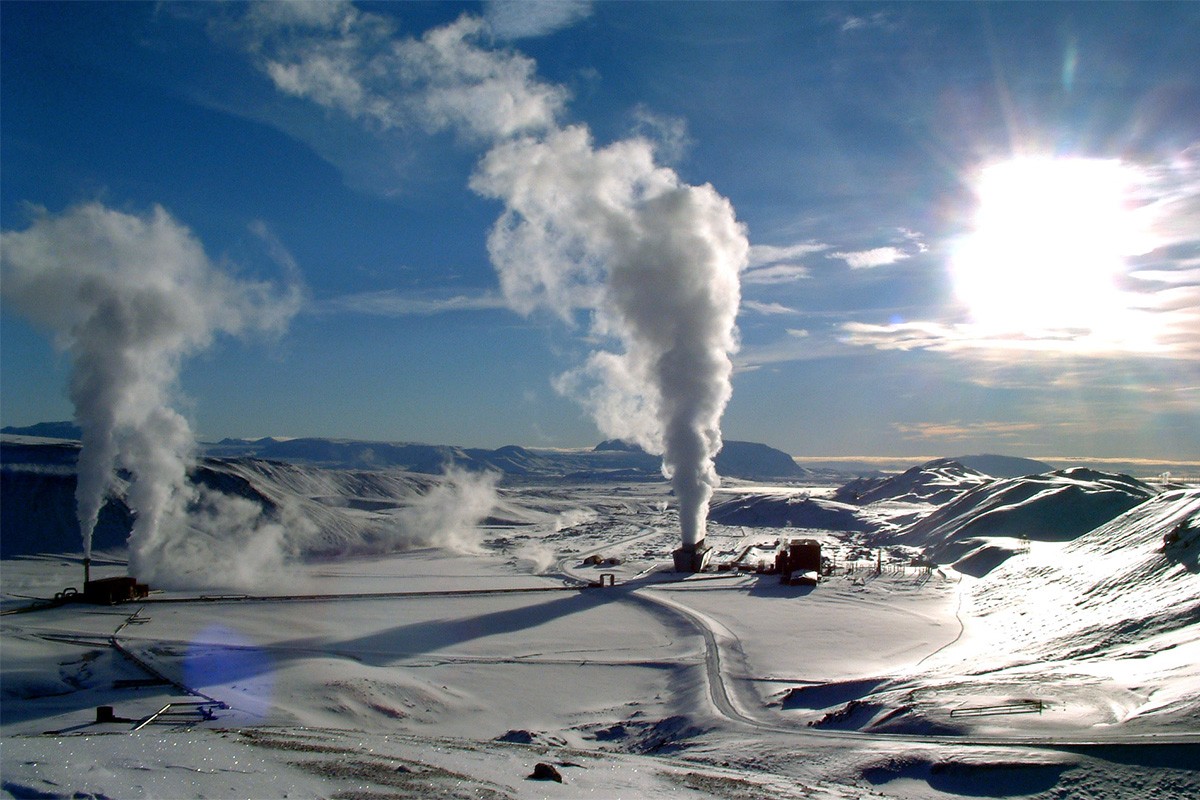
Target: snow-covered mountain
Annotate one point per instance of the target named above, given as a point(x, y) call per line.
point(1130, 581)
point(985, 525)
point(789, 511)
point(955, 513)
point(1003, 466)
point(1119, 603)
point(325, 512)
point(934, 482)
point(609, 460)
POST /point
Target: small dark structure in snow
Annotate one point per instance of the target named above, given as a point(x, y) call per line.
point(545, 772)
point(110, 591)
point(105, 591)
point(799, 562)
point(692, 557)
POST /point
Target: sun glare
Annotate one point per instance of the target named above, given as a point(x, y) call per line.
point(1050, 243)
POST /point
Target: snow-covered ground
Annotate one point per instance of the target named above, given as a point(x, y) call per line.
point(443, 672)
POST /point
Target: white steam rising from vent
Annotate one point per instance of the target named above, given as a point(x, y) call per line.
point(128, 297)
point(602, 229)
point(657, 261)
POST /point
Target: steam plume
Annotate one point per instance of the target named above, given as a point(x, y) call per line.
point(606, 230)
point(657, 260)
point(448, 515)
point(128, 297)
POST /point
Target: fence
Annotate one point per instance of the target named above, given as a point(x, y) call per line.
point(1018, 707)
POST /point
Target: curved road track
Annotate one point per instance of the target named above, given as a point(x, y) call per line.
point(719, 691)
point(724, 703)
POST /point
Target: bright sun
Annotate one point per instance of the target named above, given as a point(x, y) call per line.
point(1050, 242)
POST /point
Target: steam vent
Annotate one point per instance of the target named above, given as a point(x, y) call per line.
point(692, 557)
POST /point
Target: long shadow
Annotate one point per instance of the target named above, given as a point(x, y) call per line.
point(233, 659)
point(764, 585)
point(229, 662)
point(1149, 754)
point(423, 638)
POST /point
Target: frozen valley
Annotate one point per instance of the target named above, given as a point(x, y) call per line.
point(431, 634)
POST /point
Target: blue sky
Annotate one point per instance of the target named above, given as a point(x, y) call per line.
point(889, 305)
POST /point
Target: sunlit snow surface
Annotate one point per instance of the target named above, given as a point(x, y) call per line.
point(723, 685)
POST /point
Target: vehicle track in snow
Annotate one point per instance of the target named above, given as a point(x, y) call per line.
point(723, 698)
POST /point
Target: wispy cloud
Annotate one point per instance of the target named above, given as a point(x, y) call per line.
point(775, 273)
point(875, 257)
point(1162, 322)
point(908, 243)
point(521, 19)
point(774, 264)
point(352, 61)
point(958, 431)
point(764, 254)
point(767, 308)
point(668, 133)
point(1149, 308)
point(880, 20)
point(393, 303)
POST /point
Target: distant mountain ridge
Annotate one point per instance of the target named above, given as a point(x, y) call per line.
point(1004, 466)
point(46, 430)
point(935, 482)
point(611, 459)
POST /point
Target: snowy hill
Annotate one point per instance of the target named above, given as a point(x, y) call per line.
point(1121, 601)
point(37, 514)
point(47, 430)
point(935, 482)
point(986, 522)
point(789, 511)
point(323, 512)
point(1134, 578)
point(1100, 633)
point(752, 460)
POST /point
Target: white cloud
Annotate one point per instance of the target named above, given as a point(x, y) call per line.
point(1171, 334)
point(129, 298)
point(493, 93)
point(880, 20)
point(958, 431)
point(393, 303)
point(867, 259)
point(764, 254)
point(665, 257)
point(519, 19)
point(669, 134)
point(774, 264)
point(767, 308)
point(655, 260)
point(353, 62)
point(774, 274)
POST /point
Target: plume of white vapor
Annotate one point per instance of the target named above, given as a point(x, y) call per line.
point(448, 515)
point(658, 262)
point(605, 229)
point(128, 297)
